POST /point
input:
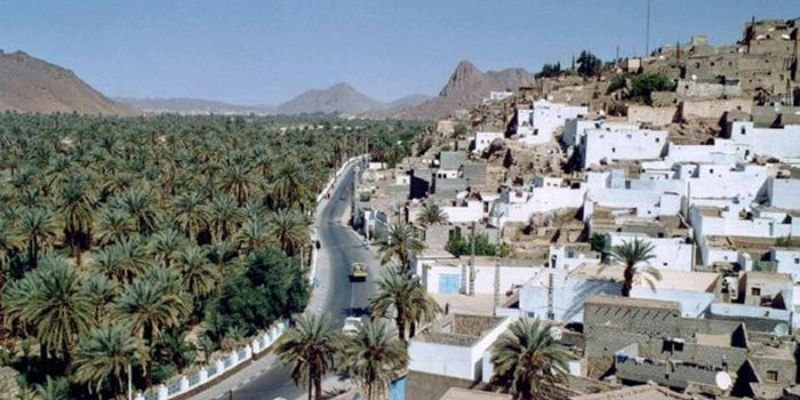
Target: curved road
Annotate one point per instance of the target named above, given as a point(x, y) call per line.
point(335, 295)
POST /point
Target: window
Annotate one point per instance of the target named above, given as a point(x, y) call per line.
point(797, 260)
point(755, 291)
point(744, 131)
point(658, 140)
point(613, 149)
point(772, 376)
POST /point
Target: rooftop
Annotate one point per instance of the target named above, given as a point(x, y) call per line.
point(459, 329)
point(631, 302)
point(643, 392)
point(455, 393)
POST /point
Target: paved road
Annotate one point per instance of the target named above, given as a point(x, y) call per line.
point(336, 295)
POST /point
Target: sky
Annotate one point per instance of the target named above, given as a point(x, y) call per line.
point(265, 52)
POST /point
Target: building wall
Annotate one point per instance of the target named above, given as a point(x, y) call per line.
point(693, 304)
point(441, 359)
point(484, 139)
point(658, 116)
point(780, 143)
point(540, 200)
point(692, 88)
point(788, 262)
point(669, 253)
point(713, 109)
point(638, 144)
point(569, 297)
point(484, 276)
point(472, 212)
point(538, 126)
point(784, 193)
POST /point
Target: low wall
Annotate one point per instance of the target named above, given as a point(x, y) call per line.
point(658, 116)
point(713, 109)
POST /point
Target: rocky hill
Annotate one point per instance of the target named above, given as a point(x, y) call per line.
point(189, 106)
point(28, 84)
point(466, 88)
point(342, 98)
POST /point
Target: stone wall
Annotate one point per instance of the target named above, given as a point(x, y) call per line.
point(657, 116)
point(691, 110)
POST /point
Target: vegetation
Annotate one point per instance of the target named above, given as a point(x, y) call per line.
point(373, 357)
point(528, 361)
point(598, 242)
point(400, 244)
point(401, 296)
point(630, 254)
point(460, 246)
point(619, 82)
point(550, 71)
point(310, 347)
point(432, 214)
point(644, 85)
point(589, 65)
point(119, 236)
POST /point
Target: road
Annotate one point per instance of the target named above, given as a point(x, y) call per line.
point(336, 295)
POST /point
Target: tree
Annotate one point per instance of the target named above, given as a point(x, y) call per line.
point(53, 389)
point(589, 64)
point(550, 71)
point(460, 246)
point(104, 355)
point(310, 347)
point(527, 361)
point(401, 295)
point(597, 242)
point(114, 226)
point(432, 214)
point(401, 243)
point(644, 85)
point(289, 229)
point(38, 228)
point(76, 205)
point(630, 254)
point(190, 214)
point(59, 308)
point(373, 357)
point(199, 275)
point(619, 82)
point(151, 304)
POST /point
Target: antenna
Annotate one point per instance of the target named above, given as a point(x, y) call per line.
point(647, 32)
point(781, 329)
point(555, 333)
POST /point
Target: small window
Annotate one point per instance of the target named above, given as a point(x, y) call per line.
point(613, 149)
point(772, 376)
point(711, 171)
point(755, 291)
point(797, 260)
point(744, 131)
point(658, 140)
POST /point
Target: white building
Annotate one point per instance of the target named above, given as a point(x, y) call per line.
point(538, 125)
point(520, 205)
point(600, 146)
point(484, 139)
point(781, 143)
point(784, 193)
point(575, 128)
point(676, 254)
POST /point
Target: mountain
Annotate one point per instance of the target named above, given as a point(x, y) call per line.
point(342, 98)
point(466, 88)
point(189, 106)
point(29, 84)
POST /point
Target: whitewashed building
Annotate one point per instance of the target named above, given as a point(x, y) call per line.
point(539, 124)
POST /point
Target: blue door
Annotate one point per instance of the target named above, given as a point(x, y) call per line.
point(449, 283)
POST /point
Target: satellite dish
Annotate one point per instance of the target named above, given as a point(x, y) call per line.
point(723, 380)
point(555, 333)
point(781, 329)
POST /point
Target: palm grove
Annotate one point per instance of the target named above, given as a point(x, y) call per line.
point(157, 241)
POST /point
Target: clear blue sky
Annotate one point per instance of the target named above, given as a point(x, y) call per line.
point(268, 51)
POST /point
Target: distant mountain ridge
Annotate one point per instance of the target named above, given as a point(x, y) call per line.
point(29, 84)
point(342, 98)
point(465, 88)
point(191, 106)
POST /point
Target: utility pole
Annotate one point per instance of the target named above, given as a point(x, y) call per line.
point(130, 383)
point(472, 263)
point(550, 313)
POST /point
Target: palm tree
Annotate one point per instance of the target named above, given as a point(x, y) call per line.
point(432, 214)
point(101, 292)
point(402, 296)
point(199, 275)
point(253, 235)
point(164, 244)
point(310, 347)
point(59, 309)
point(39, 229)
point(223, 215)
point(139, 206)
point(630, 254)
point(190, 214)
point(104, 355)
point(237, 182)
point(373, 357)
point(290, 229)
point(114, 226)
point(76, 205)
point(402, 243)
point(53, 389)
point(527, 361)
point(290, 185)
point(151, 304)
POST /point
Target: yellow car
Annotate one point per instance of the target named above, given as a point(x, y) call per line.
point(358, 272)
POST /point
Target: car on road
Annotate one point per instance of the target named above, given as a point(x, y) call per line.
point(351, 325)
point(358, 272)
